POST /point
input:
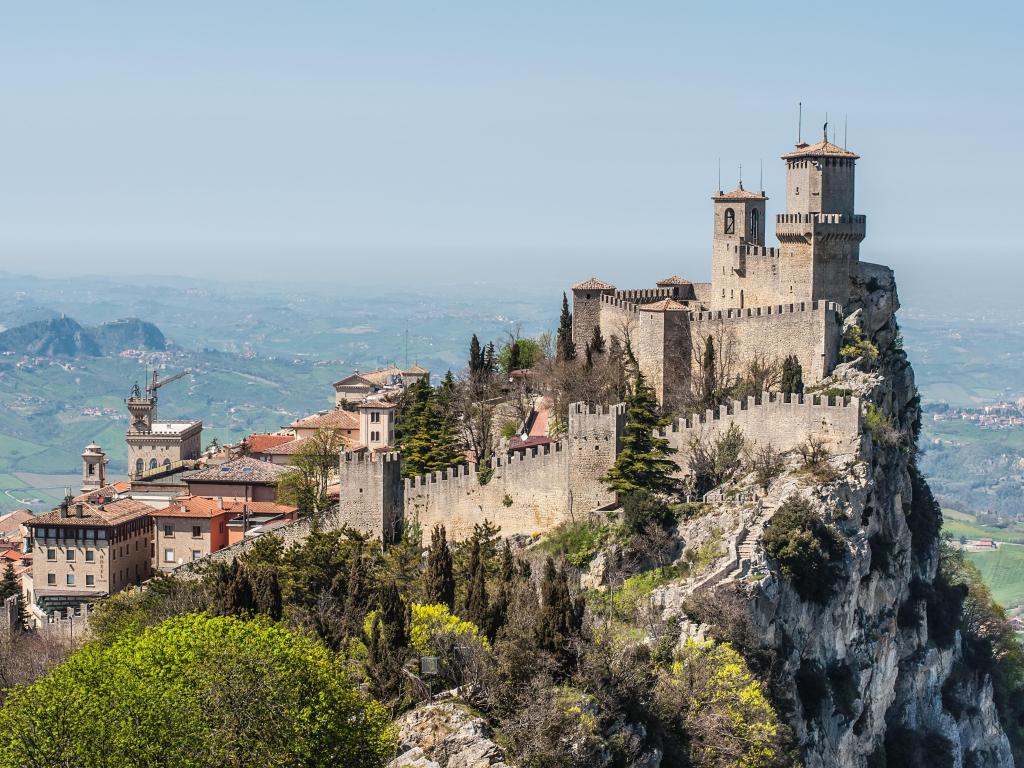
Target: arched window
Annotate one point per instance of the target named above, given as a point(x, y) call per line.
point(730, 221)
point(755, 223)
point(139, 466)
point(167, 462)
point(152, 463)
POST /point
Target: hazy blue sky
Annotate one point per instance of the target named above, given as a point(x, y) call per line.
point(500, 141)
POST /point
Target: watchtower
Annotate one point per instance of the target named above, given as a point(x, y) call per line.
point(739, 223)
point(586, 308)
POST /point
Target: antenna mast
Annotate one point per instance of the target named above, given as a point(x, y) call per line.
point(800, 122)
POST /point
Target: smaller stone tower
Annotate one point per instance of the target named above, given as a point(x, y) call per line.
point(142, 408)
point(94, 468)
point(739, 222)
point(586, 308)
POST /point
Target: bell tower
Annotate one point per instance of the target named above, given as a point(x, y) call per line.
point(739, 224)
point(142, 409)
point(94, 468)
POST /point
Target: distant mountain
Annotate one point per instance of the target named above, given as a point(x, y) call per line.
point(64, 337)
point(22, 312)
point(129, 333)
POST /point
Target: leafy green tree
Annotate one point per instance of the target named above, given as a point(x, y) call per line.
point(643, 464)
point(314, 467)
point(184, 693)
point(565, 348)
point(792, 376)
point(438, 578)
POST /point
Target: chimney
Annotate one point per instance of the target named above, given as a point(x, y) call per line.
point(64, 508)
point(184, 509)
point(79, 510)
point(220, 502)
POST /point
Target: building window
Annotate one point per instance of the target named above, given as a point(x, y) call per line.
point(92, 469)
point(51, 554)
point(375, 417)
point(798, 190)
point(71, 579)
point(168, 555)
point(51, 579)
point(730, 221)
point(90, 555)
point(90, 581)
point(139, 466)
point(169, 531)
point(167, 462)
point(755, 222)
point(196, 554)
point(152, 463)
point(375, 437)
point(196, 531)
point(71, 555)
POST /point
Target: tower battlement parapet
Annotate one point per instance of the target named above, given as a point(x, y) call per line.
point(820, 218)
point(775, 309)
point(763, 404)
point(644, 295)
point(746, 249)
point(621, 304)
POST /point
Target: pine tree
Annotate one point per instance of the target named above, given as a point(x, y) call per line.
point(565, 348)
point(266, 590)
point(643, 464)
point(709, 375)
point(476, 608)
point(506, 579)
point(792, 376)
point(388, 645)
point(354, 610)
point(490, 360)
point(9, 584)
point(438, 579)
point(476, 357)
point(597, 343)
point(238, 598)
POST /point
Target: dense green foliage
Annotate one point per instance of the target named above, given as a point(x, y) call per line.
point(428, 429)
point(808, 552)
point(857, 345)
point(184, 693)
point(565, 349)
point(792, 379)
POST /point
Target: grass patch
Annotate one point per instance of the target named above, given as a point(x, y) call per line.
point(1003, 572)
point(630, 596)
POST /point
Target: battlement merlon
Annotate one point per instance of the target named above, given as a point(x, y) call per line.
point(807, 227)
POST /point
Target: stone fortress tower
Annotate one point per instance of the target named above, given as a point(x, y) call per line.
point(787, 299)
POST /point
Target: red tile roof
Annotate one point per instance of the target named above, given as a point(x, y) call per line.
point(674, 280)
point(821, 149)
point(336, 419)
point(113, 513)
point(208, 506)
point(593, 284)
point(740, 194)
point(259, 443)
point(241, 470)
point(665, 305)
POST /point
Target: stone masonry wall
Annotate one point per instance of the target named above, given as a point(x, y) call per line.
point(783, 421)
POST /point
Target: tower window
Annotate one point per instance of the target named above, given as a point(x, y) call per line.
point(755, 219)
point(139, 466)
point(798, 190)
point(152, 463)
point(730, 221)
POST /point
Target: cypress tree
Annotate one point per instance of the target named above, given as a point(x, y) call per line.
point(560, 616)
point(514, 363)
point(476, 588)
point(490, 360)
point(792, 376)
point(267, 593)
point(476, 357)
point(239, 595)
point(643, 464)
point(439, 581)
point(506, 579)
point(597, 340)
point(389, 645)
point(9, 584)
point(565, 349)
point(354, 609)
point(710, 378)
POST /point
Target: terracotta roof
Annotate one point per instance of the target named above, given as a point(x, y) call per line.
point(739, 194)
point(593, 284)
point(416, 370)
point(518, 444)
point(353, 378)
point(821, 149)
point(261, 442)
point(665, 305)
point(241, 470)
point(378, 404)
point(110, 491)
point(674, 280)
point(208, 506)
point(336, 419)
point(11, 522)
point(13, 555)
point(115, 512)
point(377, 378)
point(287, 449)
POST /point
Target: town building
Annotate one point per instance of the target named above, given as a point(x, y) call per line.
point(89, 547)
point(158, 446)
point(358, 386)
point(244, 478)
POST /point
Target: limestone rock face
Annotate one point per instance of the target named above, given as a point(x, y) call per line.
point(881, 677)
point(443, 735)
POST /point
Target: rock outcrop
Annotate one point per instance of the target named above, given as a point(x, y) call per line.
point(444, 735)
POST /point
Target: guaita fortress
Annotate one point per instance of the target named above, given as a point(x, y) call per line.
point(762, 303)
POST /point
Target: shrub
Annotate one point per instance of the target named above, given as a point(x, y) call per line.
point(856, 345)
point(577, 542)
point(924, 515)
point(183, 693)
point(714, 461)
point(808, 552)
point(880, 426)
point(640, 508)
point(766, 463)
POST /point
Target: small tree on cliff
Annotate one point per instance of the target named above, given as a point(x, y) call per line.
point(439, 583)
point(709, 376)
point(643, 465)
point(792, 376)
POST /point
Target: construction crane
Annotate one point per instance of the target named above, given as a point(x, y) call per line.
point(155, 384)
